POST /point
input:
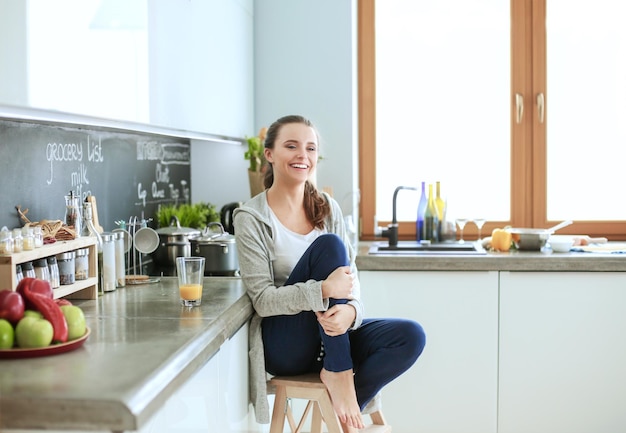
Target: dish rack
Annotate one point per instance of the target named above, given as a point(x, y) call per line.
point(81, 289)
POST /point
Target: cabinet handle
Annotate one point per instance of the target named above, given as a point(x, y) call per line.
point(519, 104)
point(540, 106)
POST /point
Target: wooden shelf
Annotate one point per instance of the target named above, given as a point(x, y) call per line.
point(81, 289)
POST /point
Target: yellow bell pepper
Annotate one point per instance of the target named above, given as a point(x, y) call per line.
point(501, 240)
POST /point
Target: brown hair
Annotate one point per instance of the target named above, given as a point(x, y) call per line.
point(316, 206)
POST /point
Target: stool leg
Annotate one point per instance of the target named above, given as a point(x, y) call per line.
point(378, 418)
point(278, 414)
point(316, 419)
point(328, 414)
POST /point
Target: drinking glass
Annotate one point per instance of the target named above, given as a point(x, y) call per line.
point(461, 223)
point(190, 271)
point(480, 222)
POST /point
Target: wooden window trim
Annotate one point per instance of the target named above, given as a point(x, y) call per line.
point(528, 139)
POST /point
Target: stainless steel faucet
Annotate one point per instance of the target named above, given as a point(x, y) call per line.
point(391, 232)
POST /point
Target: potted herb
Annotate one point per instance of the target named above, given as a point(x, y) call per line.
point(196, 216)
point(254, 154)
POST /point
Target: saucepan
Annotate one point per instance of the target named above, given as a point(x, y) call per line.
point(534, 239)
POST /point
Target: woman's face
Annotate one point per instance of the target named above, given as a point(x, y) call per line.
point(295, 153)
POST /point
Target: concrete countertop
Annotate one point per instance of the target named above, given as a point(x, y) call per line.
point(143, 346)
point(511, 261)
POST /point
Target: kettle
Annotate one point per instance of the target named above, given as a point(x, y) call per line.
point(226, 216)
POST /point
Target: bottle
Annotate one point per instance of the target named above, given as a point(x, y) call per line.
point(108, 262)
point(28, 239)
point(90, 230)
point(72, 212)
point(440, 205)
point(431, 221)
point(27, 270)
point(82, 264)
point(421, 209)
point(67, 268)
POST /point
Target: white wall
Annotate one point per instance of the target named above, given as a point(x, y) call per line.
point(305, 63)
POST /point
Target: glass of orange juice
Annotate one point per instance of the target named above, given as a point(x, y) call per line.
point(190, 271)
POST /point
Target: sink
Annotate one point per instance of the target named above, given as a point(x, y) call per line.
point(414, 248)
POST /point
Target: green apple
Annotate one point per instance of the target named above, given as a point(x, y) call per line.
point(33, 332)
point(75, 319)
point(7, 334)
point(33, 313)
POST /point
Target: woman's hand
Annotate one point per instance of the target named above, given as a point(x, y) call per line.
point(337, 319)
point(339, 283)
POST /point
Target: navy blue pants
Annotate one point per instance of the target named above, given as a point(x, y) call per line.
point(378, 351)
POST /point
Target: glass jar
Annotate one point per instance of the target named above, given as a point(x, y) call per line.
point(28, 236)
point(82, 264)
point(6, 241)
point(53, 266)
point(120, 259)
point(18, 241)
point(66, 265)
point(27, 270)
point(18, 274)
point(108, 262)
point(72, 212)
point(41, 270)
point(38, 234)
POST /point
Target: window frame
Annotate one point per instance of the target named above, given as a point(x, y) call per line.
point(528, 138)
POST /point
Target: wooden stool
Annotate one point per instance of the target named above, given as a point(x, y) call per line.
point(310, 387)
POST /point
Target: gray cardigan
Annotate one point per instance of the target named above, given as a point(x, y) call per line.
point(255, 249)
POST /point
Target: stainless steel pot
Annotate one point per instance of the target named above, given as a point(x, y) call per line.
point(219, 250)
point(173, 242)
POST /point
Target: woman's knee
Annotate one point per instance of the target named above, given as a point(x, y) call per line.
point(415, 338)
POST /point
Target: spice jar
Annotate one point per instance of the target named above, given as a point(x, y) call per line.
point(66, 265)
point(28, 236)
point(38, 234)
point(6, 241)
point(41, 270)
point(82, 264)
point(120, 259)
point(27, 270)
point(18, 274)
point(108, 262)
point(18, 241)
point(53, 266)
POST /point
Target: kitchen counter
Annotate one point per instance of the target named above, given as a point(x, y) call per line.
point(510, 261)
point(143, 346)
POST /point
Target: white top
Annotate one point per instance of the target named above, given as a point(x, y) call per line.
point(289, 247)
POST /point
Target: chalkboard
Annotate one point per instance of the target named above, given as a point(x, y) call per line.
point(130, 174)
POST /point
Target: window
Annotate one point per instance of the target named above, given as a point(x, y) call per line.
point(463, 92)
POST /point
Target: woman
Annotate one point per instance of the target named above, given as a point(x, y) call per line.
point(298, 268)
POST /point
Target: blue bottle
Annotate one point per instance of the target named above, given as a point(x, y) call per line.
point(421, 210)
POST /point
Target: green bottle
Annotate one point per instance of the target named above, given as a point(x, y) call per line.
point(430, 230)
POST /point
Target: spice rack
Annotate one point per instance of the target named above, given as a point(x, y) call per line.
point(81, 289)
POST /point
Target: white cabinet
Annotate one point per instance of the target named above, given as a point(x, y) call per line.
point(452, 388)
point(562, 352)
point(215, 399)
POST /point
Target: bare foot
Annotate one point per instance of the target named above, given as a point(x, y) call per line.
point(340, 386)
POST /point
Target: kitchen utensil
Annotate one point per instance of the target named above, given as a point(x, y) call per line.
point(534, 239)
point(561, 243)
point(173, 242)
point(218, 248)
point(146, 240)
point(226, 216)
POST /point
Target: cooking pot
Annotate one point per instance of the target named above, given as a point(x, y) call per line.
point(173, 242)
point(534, 239)
point(219, 250)
point(226, 216)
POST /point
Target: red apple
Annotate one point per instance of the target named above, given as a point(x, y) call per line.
point(11, 306)
point(41, 287)
point(62, 301)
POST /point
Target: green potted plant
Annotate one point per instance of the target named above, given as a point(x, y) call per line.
point(256, 169)
point(195, 216)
